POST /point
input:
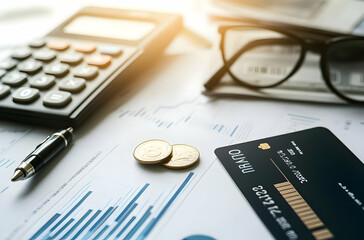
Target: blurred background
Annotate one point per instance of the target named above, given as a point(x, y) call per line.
point(24, 20)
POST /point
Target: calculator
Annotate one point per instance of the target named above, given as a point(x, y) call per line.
point(60, 79)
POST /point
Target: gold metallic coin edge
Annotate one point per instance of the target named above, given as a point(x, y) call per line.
point(183, 167)
point(153, 162)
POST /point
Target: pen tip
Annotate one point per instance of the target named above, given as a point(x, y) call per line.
point(18, 175)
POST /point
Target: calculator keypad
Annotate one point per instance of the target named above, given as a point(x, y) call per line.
point(99, 60)
point(37, 43)
point(2, 72)
point(86, 72)
point(14, 79)
point(44, 55)
point(42, 81)
point(85, 47)
point(59, 45)
point(57, 69)
point(8, 64)
point(30, 66)
point(25, 95)
point(55, 75)
point(4, 90)
point(71, 58)
point(57, 99)
point(111, 50)
point(21, 53)
point(72, 85)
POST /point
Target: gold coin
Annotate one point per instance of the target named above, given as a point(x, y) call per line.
point(153, 151)
point(183, 156)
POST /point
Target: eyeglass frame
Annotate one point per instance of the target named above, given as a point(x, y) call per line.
point(307, 44)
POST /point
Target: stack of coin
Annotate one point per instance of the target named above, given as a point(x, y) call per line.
point(177, 156)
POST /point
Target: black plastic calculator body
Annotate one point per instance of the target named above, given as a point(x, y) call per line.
point(59, 79)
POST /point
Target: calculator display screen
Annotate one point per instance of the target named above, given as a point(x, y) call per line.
point(123, 29)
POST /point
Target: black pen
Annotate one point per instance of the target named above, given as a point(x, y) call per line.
point(42, 154)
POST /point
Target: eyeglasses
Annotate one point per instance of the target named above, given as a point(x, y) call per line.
point(264, 57)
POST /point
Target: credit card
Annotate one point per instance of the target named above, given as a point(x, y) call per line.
point(302, 185)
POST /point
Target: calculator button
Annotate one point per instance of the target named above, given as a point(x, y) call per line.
point(57, 99)
point(8, 64)
point(4, 90)
point(42, 81)
point(21, 53)
point(44, 55)
point(14, 79)
point(85, 47)
point(25, 95)
point(2, 72)
point(37, 43)
point(86, 72)
point(57, 69)
point(73, 85)
point(99, 60)
point(112, 50)
point(59, 45)
point(30, 66)
point(71, 58)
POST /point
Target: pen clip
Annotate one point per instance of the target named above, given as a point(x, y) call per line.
point(40, 144)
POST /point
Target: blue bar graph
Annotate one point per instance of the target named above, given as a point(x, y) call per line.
point(62, 229)
point(134, 218)
point(153, 222)
point(139, 223)
point(87, 224)
point(125, 227)
point(99, 222)
point(71, 211)
point(132, 201)
point(121, 220)
point(45, 226)
point(101, 232)
point(232, 133)
point(76, 224)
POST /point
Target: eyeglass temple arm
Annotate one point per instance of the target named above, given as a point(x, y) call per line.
point(215, 79)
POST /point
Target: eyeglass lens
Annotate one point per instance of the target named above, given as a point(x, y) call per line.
point(345, 62)
point(266, 57)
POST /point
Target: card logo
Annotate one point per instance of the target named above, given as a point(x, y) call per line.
point(264, 146)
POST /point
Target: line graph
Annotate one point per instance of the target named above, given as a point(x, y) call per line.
point(190, 113)
point(193, 101)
